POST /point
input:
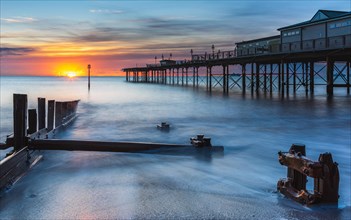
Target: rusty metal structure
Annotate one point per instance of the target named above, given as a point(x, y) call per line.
point(325, 173)
point(201, 141)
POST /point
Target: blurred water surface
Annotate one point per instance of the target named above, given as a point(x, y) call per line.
point(238, 183)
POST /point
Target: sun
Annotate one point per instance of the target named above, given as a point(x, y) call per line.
point(71, 74)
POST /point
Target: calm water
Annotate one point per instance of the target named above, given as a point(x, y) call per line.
point(240, 183)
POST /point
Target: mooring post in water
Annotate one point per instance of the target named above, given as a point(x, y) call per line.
point(51, 111)
point(89, 67)
point(41, 113)
point(19, 121)
point(32, 121)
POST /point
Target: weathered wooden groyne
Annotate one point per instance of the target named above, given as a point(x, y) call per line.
point(21, 158)
point(28, 139)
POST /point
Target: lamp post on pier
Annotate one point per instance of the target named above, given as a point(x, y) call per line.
point(89, 66)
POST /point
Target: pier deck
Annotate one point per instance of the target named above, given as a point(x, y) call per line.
point(268, 73)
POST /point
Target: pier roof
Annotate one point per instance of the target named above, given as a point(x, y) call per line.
point(259, 39)
point(320, 16)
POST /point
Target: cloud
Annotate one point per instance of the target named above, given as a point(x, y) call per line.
point(15, 51)
point(105, 11)
point(19, 20)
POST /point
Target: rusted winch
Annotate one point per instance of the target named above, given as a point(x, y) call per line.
point(200, 141)
point(325, 173)
point(164, 126)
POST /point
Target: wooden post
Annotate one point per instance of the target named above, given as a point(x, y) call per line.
point(58, 114)
point(330, 76)
point(89, 66)
point(243, 75)
point(32, 121)
point(19, 121)
point(51, 111)
point(186, 75)
point(41, 113)
point(265, 78)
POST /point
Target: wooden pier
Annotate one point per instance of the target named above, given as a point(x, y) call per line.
point(283, 73)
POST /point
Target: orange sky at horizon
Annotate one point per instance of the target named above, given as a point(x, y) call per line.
point(61, 66)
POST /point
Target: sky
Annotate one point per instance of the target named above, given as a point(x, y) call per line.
point(59, 38)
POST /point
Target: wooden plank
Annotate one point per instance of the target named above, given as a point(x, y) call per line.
point(78, 145)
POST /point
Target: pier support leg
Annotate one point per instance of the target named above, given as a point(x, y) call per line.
point(330, 76)
point(210, 85)
point(294, 79)
point(177, 76)
point(312, 77)
point(243, 75)
point(224, 79)
point(194, 76)
point(19, 120)
point(271, 79)
point(257, 77)
point(252, 78)
point(207, 73)
point(227, 79)
point(282, 78)
point(197, 76)
point(305, 69)
point(287, 78)
point(265, 79)
point(348, 77)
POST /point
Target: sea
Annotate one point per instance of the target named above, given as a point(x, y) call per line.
point(239, 182)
